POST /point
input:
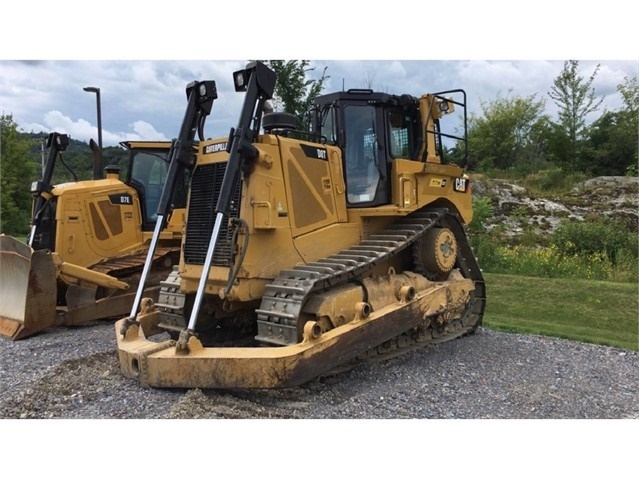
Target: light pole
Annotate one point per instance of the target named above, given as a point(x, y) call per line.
point(42, 142)
point(91, 89)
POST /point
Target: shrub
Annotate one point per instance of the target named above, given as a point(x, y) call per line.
point(485, 249)
point(554, 180)
point(483, 209)
point(598, 236)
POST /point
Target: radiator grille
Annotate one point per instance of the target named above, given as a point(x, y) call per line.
point(205, 189)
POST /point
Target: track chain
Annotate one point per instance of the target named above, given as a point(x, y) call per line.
point(438, 329)
point(128, 265)
point(171, 303)
point(284, 298)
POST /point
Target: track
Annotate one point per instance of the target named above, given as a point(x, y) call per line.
point(124, 266)
point(280, 314)
point(284, 299)
point(432, 333)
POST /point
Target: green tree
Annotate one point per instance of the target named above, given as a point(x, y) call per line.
point(629, 121)
point(76, 163)
point(508, 133)
point(575, 98)
point(613, 139)
point(294, 89)
point(17, 171)
point(629, 91)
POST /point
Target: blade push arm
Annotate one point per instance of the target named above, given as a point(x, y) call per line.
point(57, 143)
point(259, 82)
point(200, 97)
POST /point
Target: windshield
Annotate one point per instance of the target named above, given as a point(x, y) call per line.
point(148, 175)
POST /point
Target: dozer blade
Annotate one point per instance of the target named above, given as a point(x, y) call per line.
point(28, 289)
point(161, 364)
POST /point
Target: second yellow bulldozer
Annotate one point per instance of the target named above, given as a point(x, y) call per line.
point(90, 240)
point(306, 249)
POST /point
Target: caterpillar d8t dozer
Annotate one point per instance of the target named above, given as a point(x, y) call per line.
point(307, 251)
point(90, 240)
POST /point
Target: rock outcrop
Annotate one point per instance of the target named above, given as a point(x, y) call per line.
point(516, 210)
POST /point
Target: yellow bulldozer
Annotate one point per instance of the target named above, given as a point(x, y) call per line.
point(308, 249)
point(90, 240)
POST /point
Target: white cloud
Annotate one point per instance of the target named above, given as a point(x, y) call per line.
point(84, 131)
point(153, 92)
point(144, 131)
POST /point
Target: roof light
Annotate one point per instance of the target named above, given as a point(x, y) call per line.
point(239, 79)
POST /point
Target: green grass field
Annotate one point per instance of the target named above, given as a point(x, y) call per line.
point(597, 312)
point(591, 311)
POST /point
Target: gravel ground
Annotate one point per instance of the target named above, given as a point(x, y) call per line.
point(74, 373)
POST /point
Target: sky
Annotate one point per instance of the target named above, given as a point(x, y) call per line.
point(142, 82)
point(147, 100)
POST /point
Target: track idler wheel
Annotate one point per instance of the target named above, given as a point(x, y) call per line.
point(436, 253)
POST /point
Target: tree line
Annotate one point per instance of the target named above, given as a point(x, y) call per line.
point(510, 132)
point(22, 156)
point(513, 132)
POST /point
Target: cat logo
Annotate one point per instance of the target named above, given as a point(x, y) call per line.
point(461, 185)
point(215, 148)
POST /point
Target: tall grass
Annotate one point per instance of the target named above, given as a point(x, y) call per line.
point(547, 179)
point(551, 262)
point(599, 249)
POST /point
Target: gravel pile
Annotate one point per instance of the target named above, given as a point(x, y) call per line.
point(74, 373)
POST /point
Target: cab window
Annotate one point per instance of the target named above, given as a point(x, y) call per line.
point(361, 153)
point(402, 138)
point(327, 128)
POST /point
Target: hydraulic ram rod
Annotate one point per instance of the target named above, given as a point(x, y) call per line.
point(200, 97)
point(259, 83)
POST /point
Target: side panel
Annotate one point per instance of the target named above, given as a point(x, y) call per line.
point(310, 185)
point(446, 183)
point(417, 184)
point(115, 218)
point(100, 220)
point(293, 202)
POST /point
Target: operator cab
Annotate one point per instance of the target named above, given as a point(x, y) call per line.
point(373, 129)
point(149, 165)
